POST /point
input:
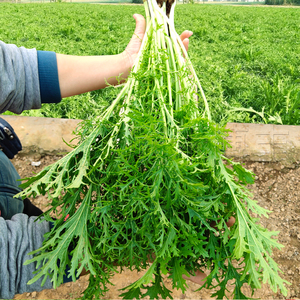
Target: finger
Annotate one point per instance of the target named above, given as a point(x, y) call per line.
point(140, 26)
point(186, 34)
point(230, 222)
point(186, 44)
point(199, 277)
point(185, 38)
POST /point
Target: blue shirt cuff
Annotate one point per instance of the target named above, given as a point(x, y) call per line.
point(48, 76)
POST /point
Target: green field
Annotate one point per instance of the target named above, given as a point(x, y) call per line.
point(246, 57)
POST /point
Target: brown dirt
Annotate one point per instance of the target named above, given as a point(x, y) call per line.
point(276, 188)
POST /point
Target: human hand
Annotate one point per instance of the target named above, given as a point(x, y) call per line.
point(135, 43)
point(9, 141)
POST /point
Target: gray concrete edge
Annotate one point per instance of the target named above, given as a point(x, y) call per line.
point(249, 142)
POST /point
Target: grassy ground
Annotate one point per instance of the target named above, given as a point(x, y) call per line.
point(246, 57)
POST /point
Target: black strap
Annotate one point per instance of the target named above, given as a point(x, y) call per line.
point(30, 209)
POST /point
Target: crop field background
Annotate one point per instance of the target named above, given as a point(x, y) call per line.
point(247, 58)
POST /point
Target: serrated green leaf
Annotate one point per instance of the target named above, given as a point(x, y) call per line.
point(176, 275)
point(157, 290)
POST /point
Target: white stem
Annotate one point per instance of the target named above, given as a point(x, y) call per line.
point(179, 49)
point(172, 13)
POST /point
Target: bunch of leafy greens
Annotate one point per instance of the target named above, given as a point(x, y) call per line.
point(146, 184)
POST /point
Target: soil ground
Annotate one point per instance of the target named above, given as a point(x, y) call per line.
point(276, 188)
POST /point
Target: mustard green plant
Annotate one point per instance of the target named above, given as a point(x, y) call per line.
point(148, 187)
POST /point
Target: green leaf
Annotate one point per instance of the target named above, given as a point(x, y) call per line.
point(134, 288)
point(245, 176)
point(176, 275)
point(158, 289)
point(133, 293)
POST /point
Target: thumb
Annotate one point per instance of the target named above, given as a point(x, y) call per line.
point(135, 43)
point(140, 26)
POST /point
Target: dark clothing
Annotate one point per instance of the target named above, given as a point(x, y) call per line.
point(27, 79)
point(18, 237)
point(9, 183)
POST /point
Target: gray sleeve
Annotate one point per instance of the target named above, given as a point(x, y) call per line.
point(19, 79)
point(18, 237)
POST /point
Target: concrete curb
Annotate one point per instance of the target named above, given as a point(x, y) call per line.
point(252, 142)
point(259, 142)
point(43, 135)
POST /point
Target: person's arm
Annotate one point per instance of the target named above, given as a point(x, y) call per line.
point(29, 77)
point(80, 74)
point(18, 237)
point(19, 82)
